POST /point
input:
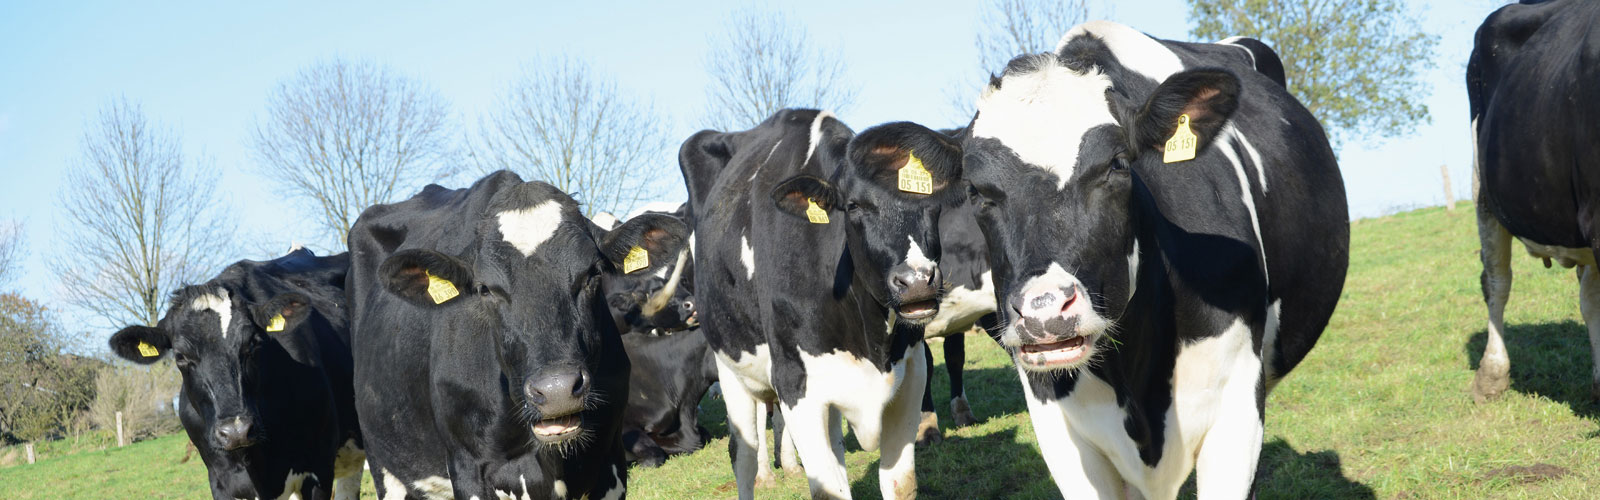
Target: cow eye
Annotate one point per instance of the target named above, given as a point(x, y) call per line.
point(483, 290)
point(1120, 162)
point(852, 206)
point(182, 360)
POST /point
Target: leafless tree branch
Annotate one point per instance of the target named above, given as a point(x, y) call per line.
point(764, 63)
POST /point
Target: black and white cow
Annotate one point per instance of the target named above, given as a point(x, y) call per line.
point(1533, 82)
point(824, 318)
point(1150, 306)
point(671, 373)
point(487, 363)
point(264, 351)
point(658, 303)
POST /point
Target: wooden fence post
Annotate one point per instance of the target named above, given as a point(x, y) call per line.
point(119, 430)
point(29, 446)
point(1449, 194)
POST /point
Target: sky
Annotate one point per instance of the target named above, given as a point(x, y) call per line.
point(204, 70)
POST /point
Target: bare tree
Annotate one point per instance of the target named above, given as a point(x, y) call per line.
point(1009, 28)
point(766, 63)
point(10, 250)
point(563, 123)
point(143, 220)
point(344, 135)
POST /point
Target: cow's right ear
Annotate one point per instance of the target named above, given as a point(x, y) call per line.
point(424, 277)
point(795, 195)
point(659, 236)
point(283, 313)
point(141, 344)
point(881, 153)
point(1207, 97)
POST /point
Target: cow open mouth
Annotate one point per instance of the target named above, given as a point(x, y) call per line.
point(922, 309)
point(1055, 355)
point(558, 429)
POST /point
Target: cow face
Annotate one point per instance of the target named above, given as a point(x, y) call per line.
point(533, 288)
point(656, 303)
point(220, 341)
point(1054, 159)
point(892, 228)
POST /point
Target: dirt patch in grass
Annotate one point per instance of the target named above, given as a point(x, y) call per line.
point(1527, 474)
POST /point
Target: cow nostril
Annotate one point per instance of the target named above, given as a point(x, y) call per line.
point(1072, 296)
point(579, 385)
point(535, 396)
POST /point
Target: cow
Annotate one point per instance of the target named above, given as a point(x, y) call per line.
point(1168, 236)
point(487, 363)
point(671, 373)
point(815, 287)
point(1531, 80)
point(264, 352)
point(659, 303)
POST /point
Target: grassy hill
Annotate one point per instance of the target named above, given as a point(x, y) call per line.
point(1379, 409)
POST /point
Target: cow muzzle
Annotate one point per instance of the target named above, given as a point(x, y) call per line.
point(915, 292)
point(558, 396)
point(1054, 326)
point(232, 433)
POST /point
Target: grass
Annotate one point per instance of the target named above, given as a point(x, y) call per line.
point(1380, 408)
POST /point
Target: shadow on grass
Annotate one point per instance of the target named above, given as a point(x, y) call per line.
point(1286, 473)
point(1550, 359)
point(993, 465)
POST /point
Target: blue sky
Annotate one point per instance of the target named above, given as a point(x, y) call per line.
point(205, 69)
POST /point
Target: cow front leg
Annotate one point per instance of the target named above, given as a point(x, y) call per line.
point(744, 429)
point(1589, 303)
point(928, 425)
point(810, 421)
point(764, 477)
point(897, 474)
point(955, 357)
point(1494, 369)
point(786, 453)
point(1225, 466)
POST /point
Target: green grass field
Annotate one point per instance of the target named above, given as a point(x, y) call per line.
point(1379, 409)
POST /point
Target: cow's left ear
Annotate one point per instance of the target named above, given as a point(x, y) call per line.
point(795, 195)
point(425, 277)
point(141, 344)
point(658, 238)
point(1208, 96)
point(906, 158)
point(283, 313)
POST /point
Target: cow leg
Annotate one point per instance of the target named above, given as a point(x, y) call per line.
point(744, 429)
point(955, 356)
point(1589, 303)
point(1225, 466)
point(897, 475)
point(764, 477)
point(1494, 370)
point(811, 421)
point(786, 454)
point(643, 449)
point(928, 426)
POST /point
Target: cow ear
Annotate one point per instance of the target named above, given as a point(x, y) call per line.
point(1208, 96)
point(885, 152)
point(424, 277)
point(283, 313)
point(141, 344)
point(657, 237)
point(794, 195)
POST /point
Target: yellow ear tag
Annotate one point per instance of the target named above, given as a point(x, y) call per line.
point(637, 259)
point(815, 213)
point(915, 178)
point(276, 324)
point(147, 350)
point(1181, 146)
point(441, 289)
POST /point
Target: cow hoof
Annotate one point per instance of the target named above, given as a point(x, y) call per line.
point(928, 429)
point(1488, 384)
point(766, 480)
point(961, 412)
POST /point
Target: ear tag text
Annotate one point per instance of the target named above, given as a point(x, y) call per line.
point(276, 324)
point(815, 213)
point(915, 178)
point(1181, 146)
point(441, 289)
point(147, 350)
point(637, 259)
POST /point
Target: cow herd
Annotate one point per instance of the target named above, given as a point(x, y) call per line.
point(1155, 231)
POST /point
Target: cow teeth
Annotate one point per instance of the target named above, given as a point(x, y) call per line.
point(557, 426)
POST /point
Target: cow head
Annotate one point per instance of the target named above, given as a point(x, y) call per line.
point(532, 286)
point(892, 228)
point(1054, 158)
point(658, 303)
point(221, 337)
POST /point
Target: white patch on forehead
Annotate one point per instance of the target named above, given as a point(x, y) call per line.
point(527, 228)
point(218, 303)
point(916, 259)
point(816, 134)
point(1132, 49)
point(1042, 116)
point(747, 255)
point(605, 220)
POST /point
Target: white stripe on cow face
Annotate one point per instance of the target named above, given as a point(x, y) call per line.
point(916, 259)
point(219, 303)
point(816, 135)
point(527, 228)
point(1133, 49)
point(1041, 115)
point(747, 255)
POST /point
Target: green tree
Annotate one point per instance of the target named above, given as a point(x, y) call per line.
point(1356, 64)
point(42, 390)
